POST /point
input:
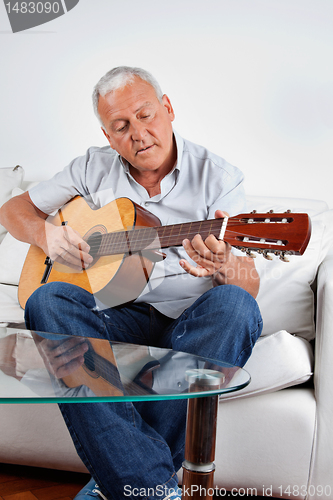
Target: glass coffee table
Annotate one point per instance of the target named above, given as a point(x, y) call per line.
point(49, 368)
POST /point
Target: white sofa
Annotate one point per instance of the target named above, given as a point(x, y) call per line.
point(274, 436)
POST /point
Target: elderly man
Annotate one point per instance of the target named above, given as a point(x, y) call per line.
point(203, 300)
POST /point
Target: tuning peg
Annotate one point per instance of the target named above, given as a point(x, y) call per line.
point(254, 212)
point(288, 211)
point(270, 212)
point(268, 257)
point(283, 257)
point(250, 254)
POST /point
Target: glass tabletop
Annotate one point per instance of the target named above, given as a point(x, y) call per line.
point(40, 367)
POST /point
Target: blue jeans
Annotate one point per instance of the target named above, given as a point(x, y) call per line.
point(135, 449)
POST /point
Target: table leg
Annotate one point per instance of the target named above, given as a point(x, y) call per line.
point(198, 466)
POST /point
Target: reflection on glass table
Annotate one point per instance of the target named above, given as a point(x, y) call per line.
point(48, 365)
point(41, 367)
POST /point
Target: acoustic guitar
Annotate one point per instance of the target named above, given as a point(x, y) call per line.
point(126, 241)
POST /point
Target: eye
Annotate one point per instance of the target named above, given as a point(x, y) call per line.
point(122, 129)
point(146, 115)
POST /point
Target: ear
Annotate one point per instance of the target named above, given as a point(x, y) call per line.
point(168, 106)
point(107, 137)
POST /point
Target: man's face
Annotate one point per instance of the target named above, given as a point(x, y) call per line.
point(138, 126)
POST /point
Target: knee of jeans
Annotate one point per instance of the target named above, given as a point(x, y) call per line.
point(238, 299)
point(46, 296)
point(232, 294)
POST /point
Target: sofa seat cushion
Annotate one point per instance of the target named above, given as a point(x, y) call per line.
point(266, 443)
point(278, 361)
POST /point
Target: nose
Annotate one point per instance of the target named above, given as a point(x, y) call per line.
point(138, 131)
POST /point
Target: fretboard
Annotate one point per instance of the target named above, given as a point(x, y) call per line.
point(154, 238)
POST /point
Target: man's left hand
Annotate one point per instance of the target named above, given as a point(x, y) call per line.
point(214, 258)
point(209, 254)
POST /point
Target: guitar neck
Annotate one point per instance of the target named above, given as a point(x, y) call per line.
point(284, 233)
point(154, 238)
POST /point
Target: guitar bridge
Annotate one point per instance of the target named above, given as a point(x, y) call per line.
point(48, 268)
point(49, 263)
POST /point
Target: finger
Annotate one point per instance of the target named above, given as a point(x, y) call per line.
point(57, 354)
point(196, 249)
point(72, 267)
point(75, 250)
point(71, 344)
point(203, 256)
point(81, 242)
point(219, 249)
point(219, 214)
point(72, 256)
point(75, 260)
point(70, 367)
point(197, 271)
point(66, 246)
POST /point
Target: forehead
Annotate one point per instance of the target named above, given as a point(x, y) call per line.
point(127, 100)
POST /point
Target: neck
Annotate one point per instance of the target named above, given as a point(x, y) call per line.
point(151, 179)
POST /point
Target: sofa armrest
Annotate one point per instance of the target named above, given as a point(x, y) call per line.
point(322, 459)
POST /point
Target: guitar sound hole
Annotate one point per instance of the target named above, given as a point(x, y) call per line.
point(89, 360)
point(94, 241)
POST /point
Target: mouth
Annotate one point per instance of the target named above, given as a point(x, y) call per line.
point(143, 150)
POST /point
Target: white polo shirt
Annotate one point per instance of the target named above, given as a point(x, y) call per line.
point(200, 183)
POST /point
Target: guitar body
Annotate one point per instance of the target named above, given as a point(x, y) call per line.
point(113, 279)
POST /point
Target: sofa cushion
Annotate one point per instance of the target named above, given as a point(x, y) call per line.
point(10, 178)
point(12, 254)
point(277, 361)
point(12, 257)
point(10, 310)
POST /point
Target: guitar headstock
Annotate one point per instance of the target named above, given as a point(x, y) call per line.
point(281, 234)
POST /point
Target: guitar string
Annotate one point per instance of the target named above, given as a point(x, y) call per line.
point(136, 236)
point(117, 246)
point(104, 244)
point(106, 373)
point(129, 384)
point(135, 232)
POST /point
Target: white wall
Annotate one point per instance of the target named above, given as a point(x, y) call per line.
point(250, 79)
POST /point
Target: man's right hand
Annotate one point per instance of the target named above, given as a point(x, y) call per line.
point(62, 357)
point(65, 245)
point(27, 223)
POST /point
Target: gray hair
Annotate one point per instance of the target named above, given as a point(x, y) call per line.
point(117, 78)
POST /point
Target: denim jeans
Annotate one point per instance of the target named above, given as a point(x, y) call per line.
point(135, 449)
